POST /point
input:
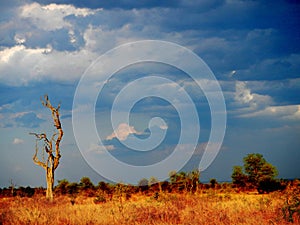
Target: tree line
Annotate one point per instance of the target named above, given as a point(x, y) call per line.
point(256, 173)
point(253, 176)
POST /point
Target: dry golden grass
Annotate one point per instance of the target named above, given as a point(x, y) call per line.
point(208, 208)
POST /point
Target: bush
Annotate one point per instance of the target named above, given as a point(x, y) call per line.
point(267, 186)
point(291, 208)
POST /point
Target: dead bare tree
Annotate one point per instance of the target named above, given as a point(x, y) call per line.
point(50, 146)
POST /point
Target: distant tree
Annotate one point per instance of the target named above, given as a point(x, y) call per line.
point(258, 169)
point(165, 186)
point(143, 184)
point(153, 180)
point(213, 182)
point(102, 186)
point(154, 184)
point(73, 189)
point(238, 176)
point(86, 184)
point(180, 181)
point(256, 172)
point(51, 146)
point(28, 191)
point(183, 181)
point(172, 175)
point(12, 187)
point(62, 186)
point(193, 178)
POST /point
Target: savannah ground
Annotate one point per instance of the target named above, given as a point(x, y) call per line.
point(203, 207)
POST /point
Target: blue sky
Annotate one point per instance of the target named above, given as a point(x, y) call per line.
point(252, 47)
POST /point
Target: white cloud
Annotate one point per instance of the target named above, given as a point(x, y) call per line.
point(72, 36)
point(288, 112)
point(18, 141)
point(6, 107)
point(122, 132)
point(242, 94)
point(232, 73)
point(163, 127)
point(99, 149)
point(110, 28)
point(52, 17)
point(19, 39)
point(36, 64)
point(245, 97)
point(100, 39)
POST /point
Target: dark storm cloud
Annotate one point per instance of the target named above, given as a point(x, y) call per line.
point(252, 47)
point(128, 4)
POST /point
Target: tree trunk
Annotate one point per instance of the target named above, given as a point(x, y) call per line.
point(50, 183)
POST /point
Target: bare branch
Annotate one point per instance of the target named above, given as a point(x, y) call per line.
point(38, 136)
point(53, 136)
point(35, 158)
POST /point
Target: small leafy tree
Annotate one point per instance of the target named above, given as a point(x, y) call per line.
point(87, 187)
point(193, 180)
point(86, 183)
point(62, 187)
point(154, 184)
point(256, 171)
point(143, 185)
point(183, 181)
point(172, 175)
point(102, 186)
point(72, 190)
point(213, 182)
point(238, 176)
point(178, 181)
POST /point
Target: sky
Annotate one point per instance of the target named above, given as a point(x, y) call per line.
point(251, 47)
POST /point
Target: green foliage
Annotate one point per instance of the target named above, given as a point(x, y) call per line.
point(257, 172)
point(193, 180)
point(143, 182)
point(258, 169)
point(172, 175)
point(86, 183)
point(153, 180)
point(183, 181)
point(29, 191)
point(73, 189)
point(291, 208)
point(24, 192)
point(238, 176)
point(62, 186)
point(213, 182)
point(103, 186)
point(143, 185)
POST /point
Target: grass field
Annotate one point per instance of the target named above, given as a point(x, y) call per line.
point(200, 208)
